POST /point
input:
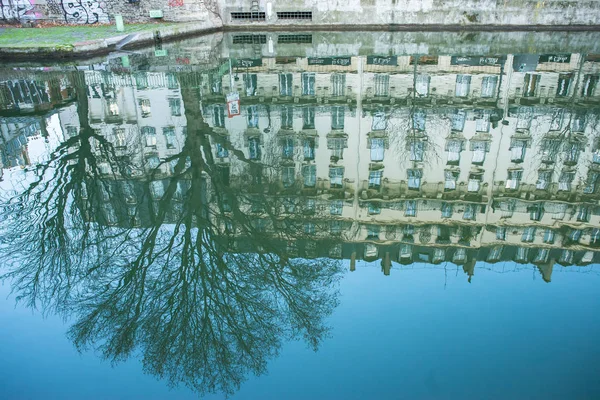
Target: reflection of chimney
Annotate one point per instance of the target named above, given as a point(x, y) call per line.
point(469, 268)
point(546, 270)
point(386, 264)
point(353, 261)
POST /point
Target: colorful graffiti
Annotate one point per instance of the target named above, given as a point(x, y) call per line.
point(15, 10)
point(175, 3)
point(84, 11)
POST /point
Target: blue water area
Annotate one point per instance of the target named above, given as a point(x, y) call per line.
point(420, 333)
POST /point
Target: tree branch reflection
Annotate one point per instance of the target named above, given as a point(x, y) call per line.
point(186, 277)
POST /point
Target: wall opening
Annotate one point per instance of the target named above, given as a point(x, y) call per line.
point(307, 15)
point(248, 16)
point(294, 39)
point(249, 39)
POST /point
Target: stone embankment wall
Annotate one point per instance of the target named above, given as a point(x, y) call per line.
point(479, 13)
point(417, 12)
point(103, 11)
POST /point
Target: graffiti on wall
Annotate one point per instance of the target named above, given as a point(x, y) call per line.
point(175, 3)
point(53, 7)
point(84, 11)
point(15, 10)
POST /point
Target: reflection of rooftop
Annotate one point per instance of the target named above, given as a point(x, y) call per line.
point(399, 254)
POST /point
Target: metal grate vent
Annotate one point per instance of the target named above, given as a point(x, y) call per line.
point(295, 15)
point(294, 39)
point(249, 16)
point(249, 39)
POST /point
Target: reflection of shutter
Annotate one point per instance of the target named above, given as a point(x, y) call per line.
point(285, 84)
point(564, 82)
point(530, 84)
point(488, 86)
point(308, 83)
point(589, 85)
point(338, 83)
point(337, 117)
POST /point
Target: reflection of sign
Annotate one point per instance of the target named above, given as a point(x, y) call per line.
point(556, 58)
point(248, 62)
point(593, 57)
point(233, 104)
point(476, 60)
point(525, 62)
point(343, 61)
point(378, 60)
point(285, 60)
point(160, 53)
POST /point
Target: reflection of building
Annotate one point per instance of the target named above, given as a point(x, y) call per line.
point(27, 101)
point(15, 134)
point(488, 157)
point(34, 92)
point(141, 114)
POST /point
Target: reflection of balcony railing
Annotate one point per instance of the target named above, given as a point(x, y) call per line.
point(553, 191)
point(400, 190)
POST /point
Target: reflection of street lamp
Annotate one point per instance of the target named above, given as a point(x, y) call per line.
point(502, 115)
point(268, 128)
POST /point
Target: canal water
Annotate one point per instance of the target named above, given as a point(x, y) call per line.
point(314, 215)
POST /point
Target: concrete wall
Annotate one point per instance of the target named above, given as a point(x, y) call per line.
point(420, 12)
point(324, 12)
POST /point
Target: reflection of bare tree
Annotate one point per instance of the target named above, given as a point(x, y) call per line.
point(202, 288)
point(46, 235)
point(412, 129)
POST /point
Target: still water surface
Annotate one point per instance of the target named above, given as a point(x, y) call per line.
point(379, 216)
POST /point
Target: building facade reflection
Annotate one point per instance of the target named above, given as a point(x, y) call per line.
point(402, 158)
